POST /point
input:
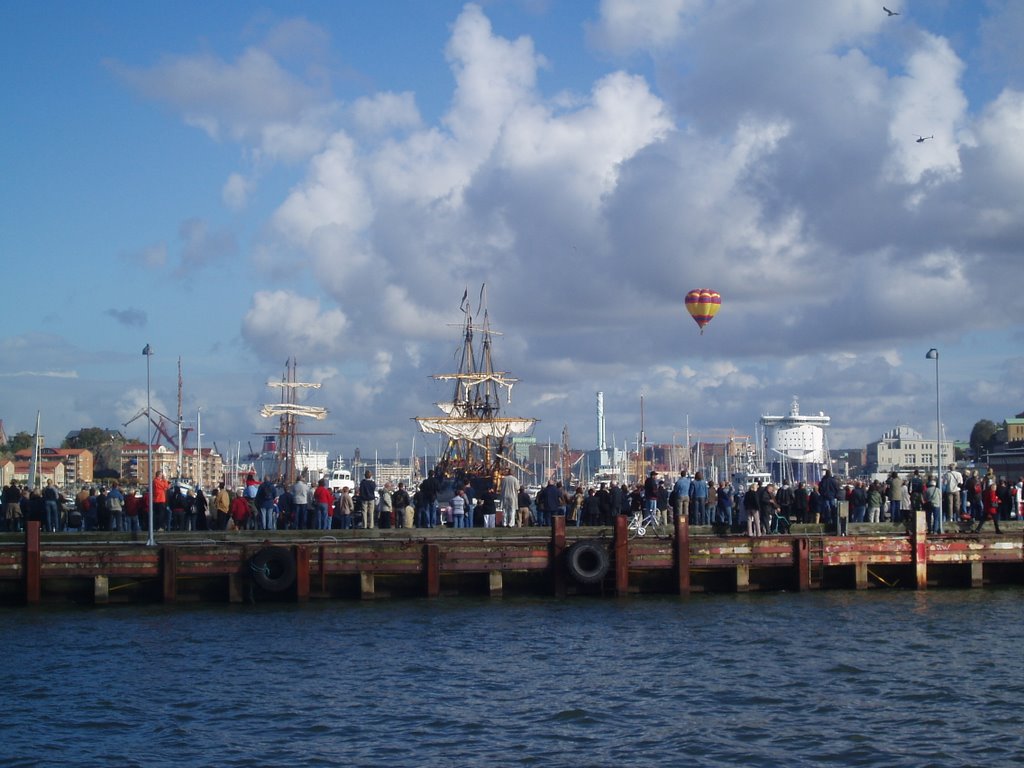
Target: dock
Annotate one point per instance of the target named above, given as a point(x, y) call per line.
point(560, 561)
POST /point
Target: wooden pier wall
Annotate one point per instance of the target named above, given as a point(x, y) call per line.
point(237, 567)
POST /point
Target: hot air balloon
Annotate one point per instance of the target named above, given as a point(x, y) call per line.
point(703, 304)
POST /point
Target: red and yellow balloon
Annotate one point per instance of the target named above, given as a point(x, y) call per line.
point(703, 304)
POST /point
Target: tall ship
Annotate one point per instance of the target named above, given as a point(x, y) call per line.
point(795, 445)
point(285, 455)
point(479, 436)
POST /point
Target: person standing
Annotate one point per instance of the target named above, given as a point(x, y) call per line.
point(323, 501)
point(723, 506)
point(952, 482)
point(875, 501)
point(895, 496)
point(651, 495)
point(991, 509)
point(51, 501)
point(266, 498)
point(368, 497)
point(161, 514)
point(458, 503)
point(222, 503)
point(523, 502)
point(486, 501)
point(300, 502)
point(132, 509)
point(933, 506)
point(202, 508)
point(604, 506)
point(801, 503)
point(12, 507)
point(428, 498)
point(190, 510)
point(576, 507)
point(682, 492)
point(552, 496)
point(752, 508)
point(115, 503)
point(828, 489)
point(699, 499)
point(344, 508)
point(785, 498)
point(400, 502)
point(387, 507)
point(509, 498)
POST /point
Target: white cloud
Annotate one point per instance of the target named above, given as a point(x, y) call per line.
point(927, 101)
point(252, 100)
point(625, 26)
point(384, 112)
point(771, 157)
point(235, 192)
point(282, 324)
point(333, 194)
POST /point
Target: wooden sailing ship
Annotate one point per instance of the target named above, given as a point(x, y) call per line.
point(479, 436)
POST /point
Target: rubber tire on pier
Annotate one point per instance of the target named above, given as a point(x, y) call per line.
point(587, 562)
point(273, 568)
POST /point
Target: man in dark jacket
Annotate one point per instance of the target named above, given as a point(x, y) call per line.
point(828, 489)
point(428, 499)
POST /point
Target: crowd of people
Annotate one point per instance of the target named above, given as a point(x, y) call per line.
point(969, 500)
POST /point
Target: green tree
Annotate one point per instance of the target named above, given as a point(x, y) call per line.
point(90, 437)
point(19, 442)
point(104, 444)
point(983, 437)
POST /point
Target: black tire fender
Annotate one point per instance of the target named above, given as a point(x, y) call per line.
point(273, 568)
point(587, 561)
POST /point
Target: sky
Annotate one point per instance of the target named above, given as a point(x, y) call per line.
point(240, 184)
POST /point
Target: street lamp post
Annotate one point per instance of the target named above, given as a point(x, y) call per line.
point(933, 354)
point(148, 352)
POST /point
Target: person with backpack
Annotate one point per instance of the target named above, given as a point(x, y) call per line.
point(266, 501)
point(115, 503)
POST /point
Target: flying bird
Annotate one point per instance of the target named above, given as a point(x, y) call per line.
point(922, 139)
point(891, 13)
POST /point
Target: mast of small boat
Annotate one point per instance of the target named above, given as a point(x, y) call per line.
point(181, 447)
point(33, 469)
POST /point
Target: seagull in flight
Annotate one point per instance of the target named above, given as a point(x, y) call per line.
point(922, 139)
point(891, 13)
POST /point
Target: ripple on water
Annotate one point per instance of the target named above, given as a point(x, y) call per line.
point(844, 679)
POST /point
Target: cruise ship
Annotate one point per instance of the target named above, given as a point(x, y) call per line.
point(796, 448)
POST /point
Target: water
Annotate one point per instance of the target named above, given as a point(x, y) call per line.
point(827, 678)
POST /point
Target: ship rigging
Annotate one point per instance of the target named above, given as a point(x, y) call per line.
point(479, 437)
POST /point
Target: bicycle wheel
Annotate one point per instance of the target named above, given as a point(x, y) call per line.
point(634, 528)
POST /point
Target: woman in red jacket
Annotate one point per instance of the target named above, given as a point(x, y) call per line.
point(324, 501)
point(991, 501)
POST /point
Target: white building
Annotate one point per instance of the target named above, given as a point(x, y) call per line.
point(904, 449)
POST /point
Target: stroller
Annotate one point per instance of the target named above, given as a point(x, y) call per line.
point(965, 522)
point(776, 523)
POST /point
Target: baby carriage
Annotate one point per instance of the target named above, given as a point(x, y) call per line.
point(965, 523)
point(776, 523)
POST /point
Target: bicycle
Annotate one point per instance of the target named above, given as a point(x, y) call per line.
point(640, 524)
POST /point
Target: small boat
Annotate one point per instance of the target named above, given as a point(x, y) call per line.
point(340, 478)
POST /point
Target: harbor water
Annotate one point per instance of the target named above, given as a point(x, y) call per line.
point(887, 678)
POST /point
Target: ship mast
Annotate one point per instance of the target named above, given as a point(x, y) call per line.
point(289, 411)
